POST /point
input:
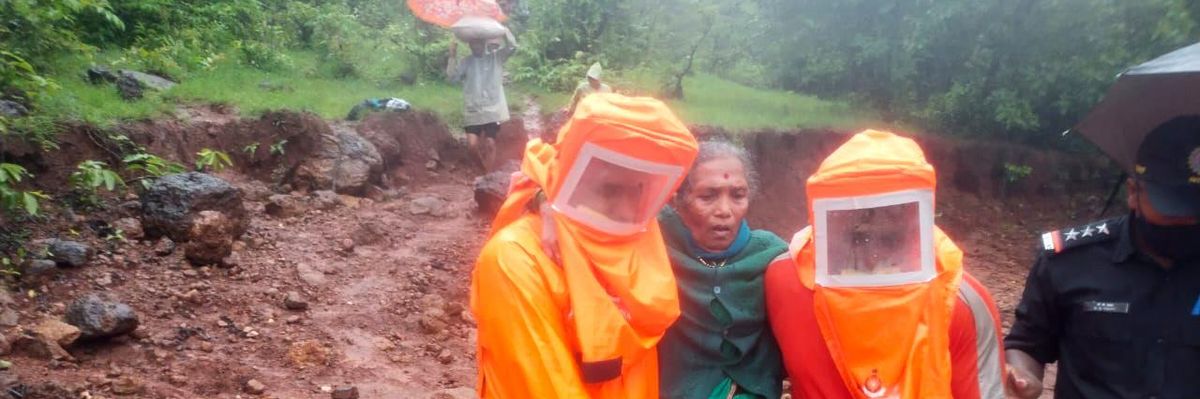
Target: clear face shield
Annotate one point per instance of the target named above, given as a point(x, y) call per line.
point(613, 192)
point(875, 241)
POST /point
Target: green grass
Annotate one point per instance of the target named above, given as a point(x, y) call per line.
point(709, 100)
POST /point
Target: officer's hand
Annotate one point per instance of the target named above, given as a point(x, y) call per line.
point(1022, 385)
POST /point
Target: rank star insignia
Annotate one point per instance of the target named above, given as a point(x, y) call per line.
point(1087, 232)
point(1102, 228)
point(1072, 235)
point(1194, 161)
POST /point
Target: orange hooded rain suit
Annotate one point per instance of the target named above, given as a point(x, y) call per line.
point(891, 341)
point(581, 319)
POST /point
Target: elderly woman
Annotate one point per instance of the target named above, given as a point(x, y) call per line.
point(721, 346)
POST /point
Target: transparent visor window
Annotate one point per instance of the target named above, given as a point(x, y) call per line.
point(872, 241)
point(613, 192)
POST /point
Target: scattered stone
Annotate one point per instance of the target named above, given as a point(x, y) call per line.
point(212, 238)
point(345, 392)
point(350, 201)
point(9, 317)
point(104, 280)
point(133, 84)
point(56, 331)
point(172, 203)
point(310, 275)
point(254, 190)
point(427, 206)
point(293, 319)
point(99, 74)
point(99, 316)
point(431, 165)
point(445, 357)
point(254, 387)
point(432, 325)
point(38, 272)
point(346, 245)
point(12, 109)
point(164, 247)
point(126, 386)
point(39, 348)
point(310, 352)
point(285, 206)
point(178, 380)
point(131, 228)
point(325, 200)
point(369, 232)
point(69, 253)
point(293, 301)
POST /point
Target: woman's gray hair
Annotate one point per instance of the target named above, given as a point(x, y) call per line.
point(720, 149)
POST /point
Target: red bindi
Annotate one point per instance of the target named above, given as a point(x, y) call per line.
point(726, 176)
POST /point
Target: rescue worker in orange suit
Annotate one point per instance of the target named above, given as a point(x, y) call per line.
point(871, 300)
point(574, 289)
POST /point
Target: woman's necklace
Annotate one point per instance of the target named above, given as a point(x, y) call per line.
point(713, 265)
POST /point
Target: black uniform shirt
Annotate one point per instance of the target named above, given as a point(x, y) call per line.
point(1119, 325)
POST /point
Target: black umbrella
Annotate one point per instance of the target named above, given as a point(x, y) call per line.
point(1144, 97)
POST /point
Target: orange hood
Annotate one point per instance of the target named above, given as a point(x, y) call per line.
point(622, 289)
point(888, 341)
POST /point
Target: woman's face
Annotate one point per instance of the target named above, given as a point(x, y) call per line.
point(715, 204)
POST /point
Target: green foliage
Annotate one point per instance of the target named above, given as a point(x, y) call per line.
point(92, 175)
point(212, 160)
point(149, 166)
point(1020, 69)
point(13, 199)
point(88, 178)
point(251, 148)
point(277, 149)
point(1016, 172)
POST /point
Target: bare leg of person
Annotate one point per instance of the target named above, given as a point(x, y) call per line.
point(489, 153)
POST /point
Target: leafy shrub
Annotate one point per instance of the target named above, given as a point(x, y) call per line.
point(12, 199)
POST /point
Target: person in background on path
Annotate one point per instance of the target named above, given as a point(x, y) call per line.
point(871, 300)
point(591, 85)
point(1117, 302)
point(485, 104)
point(721, 347)
point(573, 290)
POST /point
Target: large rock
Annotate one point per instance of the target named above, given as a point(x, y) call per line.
point(491, 190)
point(346, 163)
point(132, 84)
point(99, 74)
point(172, 202)
point(212, 238)
point(100, 316)
point(69, 253)
point(12, 109)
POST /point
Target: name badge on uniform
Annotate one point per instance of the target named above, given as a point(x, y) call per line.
point(1106, 307)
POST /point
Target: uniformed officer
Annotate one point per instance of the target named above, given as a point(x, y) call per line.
point(1117, 302)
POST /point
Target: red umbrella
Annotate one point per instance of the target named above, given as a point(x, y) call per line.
point(445, 13)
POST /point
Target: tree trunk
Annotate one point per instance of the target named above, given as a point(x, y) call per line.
point(677, 89)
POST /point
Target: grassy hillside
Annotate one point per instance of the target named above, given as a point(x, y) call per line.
point(302, 86)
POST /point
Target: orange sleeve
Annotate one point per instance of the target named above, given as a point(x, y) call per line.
point(522, 342)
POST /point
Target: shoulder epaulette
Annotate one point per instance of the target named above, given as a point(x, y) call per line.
point(1055, 242)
